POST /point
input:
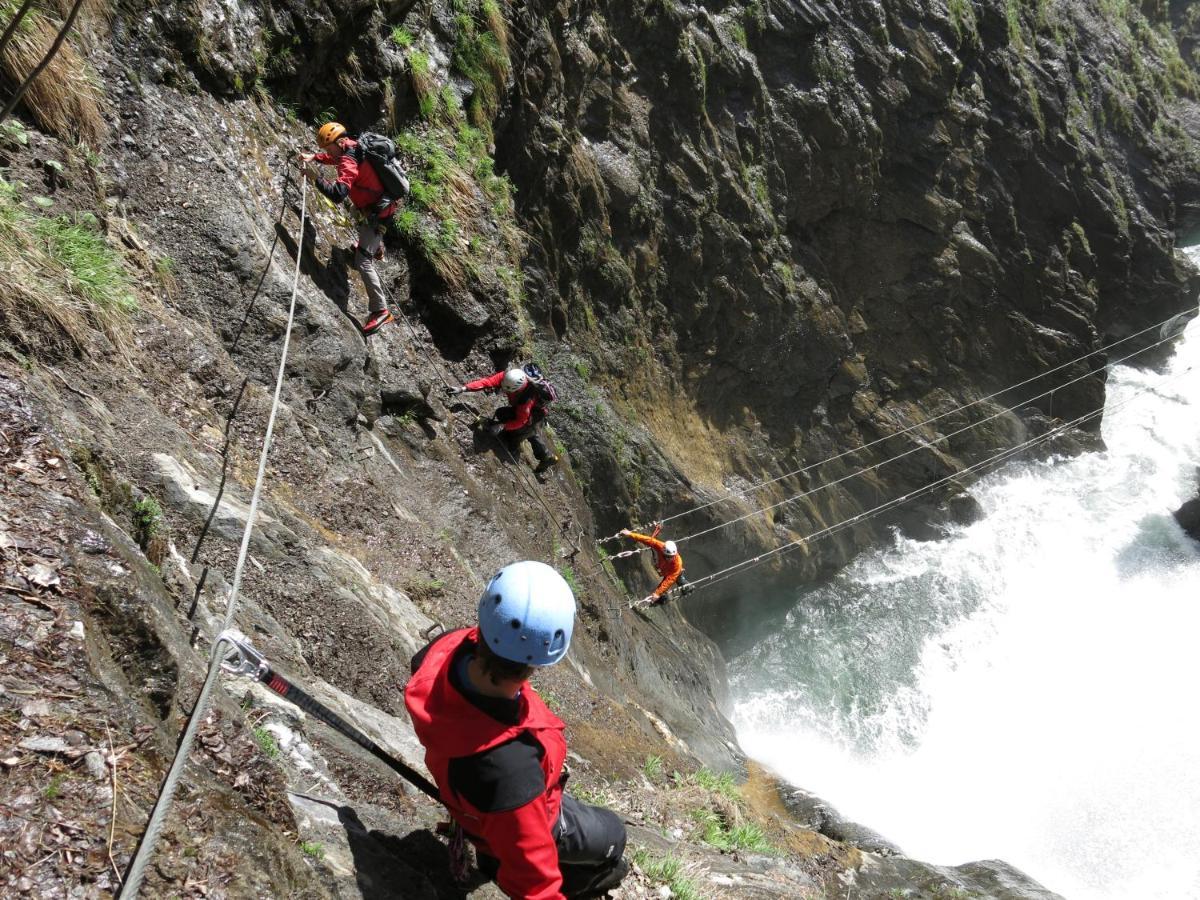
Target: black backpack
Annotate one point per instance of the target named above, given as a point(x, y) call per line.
point(380, 152)
point(545, 391)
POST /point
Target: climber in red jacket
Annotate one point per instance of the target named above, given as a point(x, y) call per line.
point(358, 181)
point(496, 751)
point(522, 419)
point(667, 561)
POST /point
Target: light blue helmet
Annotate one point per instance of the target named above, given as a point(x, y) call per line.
point(527, 613)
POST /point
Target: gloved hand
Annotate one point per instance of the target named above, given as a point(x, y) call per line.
point(455, 390)
point(494, 428)
point(625, 532)
point(305, 157)
point(652, 600)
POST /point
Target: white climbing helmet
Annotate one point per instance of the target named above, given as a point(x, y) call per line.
point(514, 380)
point(527, 614)
point(669, 548)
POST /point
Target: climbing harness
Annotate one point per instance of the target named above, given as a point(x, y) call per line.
point(240, 658)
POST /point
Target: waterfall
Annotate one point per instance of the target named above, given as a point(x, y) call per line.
point(1027, 687)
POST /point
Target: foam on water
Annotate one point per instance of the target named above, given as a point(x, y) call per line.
point(1026, 689)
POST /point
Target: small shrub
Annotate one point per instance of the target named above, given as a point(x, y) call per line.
point(147, 520)
point(402, 37)
point(312, 849)
point(267, 743)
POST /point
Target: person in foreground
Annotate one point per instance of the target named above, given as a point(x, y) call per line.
point(496, 751)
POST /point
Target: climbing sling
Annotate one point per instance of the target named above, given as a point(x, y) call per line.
point(242, 659)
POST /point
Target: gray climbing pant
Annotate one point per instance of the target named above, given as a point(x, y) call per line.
point(370, 237)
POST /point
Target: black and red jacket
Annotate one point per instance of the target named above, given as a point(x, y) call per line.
point(355, 179)
point(526, 403)
point(498, 766)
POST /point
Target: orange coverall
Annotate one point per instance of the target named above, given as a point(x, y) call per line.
point(669, 567)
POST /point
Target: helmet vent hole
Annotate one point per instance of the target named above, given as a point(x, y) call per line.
point(515, 624)
point(497, 600)
point(529, 659)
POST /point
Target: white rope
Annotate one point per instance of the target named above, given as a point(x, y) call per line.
point(762, 484)
point(137, 868)
point(912, 450)
point(729, 571)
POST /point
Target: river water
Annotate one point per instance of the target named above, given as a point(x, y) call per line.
point(1028, 688)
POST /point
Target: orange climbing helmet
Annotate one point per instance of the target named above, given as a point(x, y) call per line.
point(330, 132)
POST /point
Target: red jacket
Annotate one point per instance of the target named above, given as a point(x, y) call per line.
point(523, 401)
point(669, 567)
point(452, 728)
point(363, 184)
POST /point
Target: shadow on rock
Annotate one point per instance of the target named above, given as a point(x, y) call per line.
point(331, 278)
point(416, 866)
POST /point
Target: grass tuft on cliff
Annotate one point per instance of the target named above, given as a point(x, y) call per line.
point(59, 274)
point(64, 99)
point(461, 214)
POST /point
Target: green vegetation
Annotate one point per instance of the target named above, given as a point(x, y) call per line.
point(717, 832)
point(963, 21)
point(670, 871)
point(738, 32)
point(13, 134)
point(1081, 237)
point(453, 183)
point(481, 54)
point(652, 768)
point(94, 269)
point(54, 788)
point(266, 742)
point(147, 520)
point(718, 783)
point(1012, 15)
point(312, 849)
point(568, 574)
point(832, 62)
point(423, 84)
point(597, 796)
point(402, 37)
point(65, 98)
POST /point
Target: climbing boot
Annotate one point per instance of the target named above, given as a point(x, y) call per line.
point(548, 463)
point(377, 320)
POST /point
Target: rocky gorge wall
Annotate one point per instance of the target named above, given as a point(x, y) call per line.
point(741, 239)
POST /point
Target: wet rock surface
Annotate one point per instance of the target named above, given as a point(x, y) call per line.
point(1188, 515)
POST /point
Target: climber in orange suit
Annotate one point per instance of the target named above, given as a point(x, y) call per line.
point(667, 561)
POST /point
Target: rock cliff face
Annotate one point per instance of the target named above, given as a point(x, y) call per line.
point(741, 238)
point(814, 225)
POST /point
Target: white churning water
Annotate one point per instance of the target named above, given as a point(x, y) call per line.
point(1028, 688)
